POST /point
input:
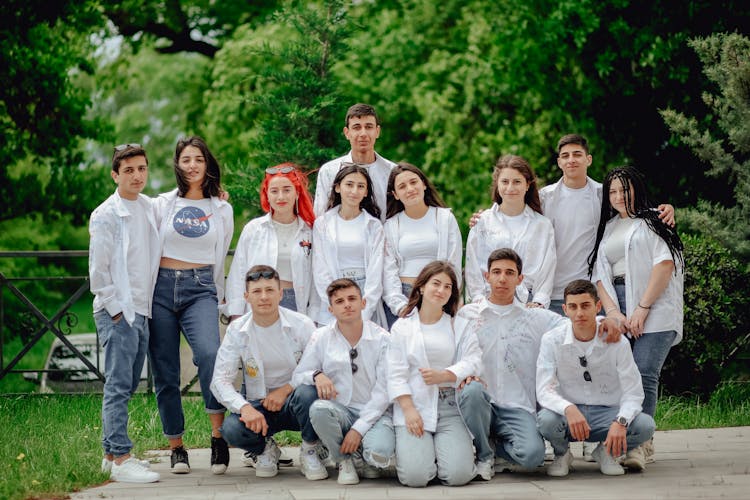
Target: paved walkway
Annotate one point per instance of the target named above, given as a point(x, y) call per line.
point(700, 463)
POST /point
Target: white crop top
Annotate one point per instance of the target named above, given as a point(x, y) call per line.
point(350, 241)
point(438, 343)
point(614, 248)
point(417, 242)
point(285, 234)
point(191, 234)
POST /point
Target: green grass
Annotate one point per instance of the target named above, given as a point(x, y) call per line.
point(51, 443)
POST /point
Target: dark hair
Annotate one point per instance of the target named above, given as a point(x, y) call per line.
point(341, 284)
point(367, 203)
point(128, 152)
point(358, 110)
point(505, 254)
point(270, 273)
point(579, 287)
point(522, 166)
point(394, 206)
point(639, 207)
point(573, 139)
point(211, 180)
point(430, 270)
point(304, 207)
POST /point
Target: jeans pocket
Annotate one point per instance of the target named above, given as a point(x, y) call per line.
point(203, 282)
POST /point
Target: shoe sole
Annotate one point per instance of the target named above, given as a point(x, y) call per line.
point(316, 477)
point(266, 473)
point(347, 482)
point(283, 462)
point(136, 480)
point(218, 469)
point(180, 469)
point(632, 464)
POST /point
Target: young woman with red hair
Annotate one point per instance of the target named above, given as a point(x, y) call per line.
point(280, 239)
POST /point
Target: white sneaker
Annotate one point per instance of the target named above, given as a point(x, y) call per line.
point(549, 452)
point(267, 463)
point(588, 449)
point(560, 466)
point(635, 459)
point(485, 469)
point(347, 472)
point(107, 464)
point(249, 460)
point(131, 471)
point(607, 464)
point(309, 463)
point(324, 455)
point(502, 465)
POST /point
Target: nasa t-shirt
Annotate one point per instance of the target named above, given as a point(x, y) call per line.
point(191, 233)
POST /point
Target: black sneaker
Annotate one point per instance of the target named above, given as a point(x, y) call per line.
point(219, 455)
point(180, 462)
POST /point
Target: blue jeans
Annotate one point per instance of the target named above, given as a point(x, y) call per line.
point(650, 350)
point(554, 427)
point(514, 429)
point(289, 299)
point(555, 305)
point(389, 316)
point(332, 420)
point(125, 348)
point(293, 416)
point(184, 300)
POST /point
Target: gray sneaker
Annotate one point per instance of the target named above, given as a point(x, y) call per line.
point(607, 464)
point(560, 466)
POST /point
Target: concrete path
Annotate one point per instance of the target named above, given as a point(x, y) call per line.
point(700, 463)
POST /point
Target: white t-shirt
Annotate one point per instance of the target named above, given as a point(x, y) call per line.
point(439, 344)
point(417, 242)
point(614, 247)
point(139, 257)
point(191, 235)
point(285, 234)
point(278, 362)
point(361, 384)
point(351, 242)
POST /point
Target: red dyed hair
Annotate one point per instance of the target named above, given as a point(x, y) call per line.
point(304, 206)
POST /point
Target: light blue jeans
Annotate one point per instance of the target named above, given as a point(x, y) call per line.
point(513, 429)
point(332, 420)
point(650, 350)
point(125, 348)
point(289, 299)
point(184, 301)
point(389, 316)
point(446, 453)
point(554, 427)
point(293, 416)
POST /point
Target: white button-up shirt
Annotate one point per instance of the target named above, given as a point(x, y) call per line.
point(242, 348)
point(109, 227)
point(509, 341)
point(535, 244)
point(259, 245)
point(328, 351)
point(407, 355)
point(379, 172)
point(615, 379)
point(643, 250)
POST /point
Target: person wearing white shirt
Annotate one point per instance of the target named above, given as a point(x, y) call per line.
point(509, 334)
point(346, 362)
point(428, 358)
point(514, 221)
point(638, 265)
point(588, 389)
point(267, 343)
point(361, 129)
point(281, 239)
point(419, 229)
point(348, 243)
point(123, 259)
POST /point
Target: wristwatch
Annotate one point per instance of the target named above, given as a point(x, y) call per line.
point(622, 421)
point(315, 374)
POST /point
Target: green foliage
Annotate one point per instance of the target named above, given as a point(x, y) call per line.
point(723, 144)
point(717, 318)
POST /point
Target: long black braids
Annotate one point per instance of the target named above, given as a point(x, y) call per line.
point(640, 207)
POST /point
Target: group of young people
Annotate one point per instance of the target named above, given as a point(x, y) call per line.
point(346, 318)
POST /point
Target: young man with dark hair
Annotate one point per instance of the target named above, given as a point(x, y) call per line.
point(123, 260)
point(267, 342)
point(362, 129)
point(588, 389)
point(346, 363)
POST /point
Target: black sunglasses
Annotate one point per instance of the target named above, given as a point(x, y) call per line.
point(584, 363)
point(123, 147)
point(352, 356)
point(260, 274)
point(280, 170)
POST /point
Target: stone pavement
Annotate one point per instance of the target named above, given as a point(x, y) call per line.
point(699, 463)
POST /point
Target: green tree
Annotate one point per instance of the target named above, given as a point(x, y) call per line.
point(721, 139)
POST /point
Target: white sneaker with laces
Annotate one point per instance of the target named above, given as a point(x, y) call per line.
point(131, 471)
point(485, 469)
point(107, 464)
point(267, 463)
point(560, 466)
point(249, 460)
point(607, 464)
point(588, 449)
point(309, 463)
point(347, 472)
